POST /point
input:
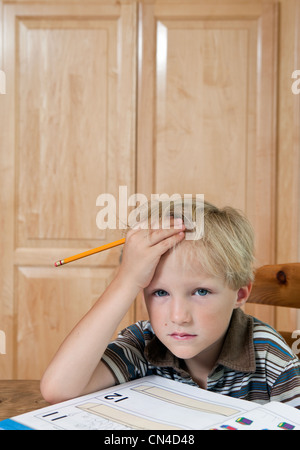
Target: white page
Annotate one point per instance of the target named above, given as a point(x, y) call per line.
point(147, 403)
point(153, 402)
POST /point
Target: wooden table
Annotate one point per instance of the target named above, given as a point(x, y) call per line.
point(19, 396)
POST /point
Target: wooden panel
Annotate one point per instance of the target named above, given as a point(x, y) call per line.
point(69, 79)
point(63, 83)
point(213, 109)
point(201, 110)
point(49, 303)
point(69, 121)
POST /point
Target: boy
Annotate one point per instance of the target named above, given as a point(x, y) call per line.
point(197, 333)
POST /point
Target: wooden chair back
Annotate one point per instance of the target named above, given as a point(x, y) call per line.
point(277, 285)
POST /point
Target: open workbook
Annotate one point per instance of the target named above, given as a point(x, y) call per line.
point(156, 403)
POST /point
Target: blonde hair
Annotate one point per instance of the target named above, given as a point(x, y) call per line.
point(225, 249)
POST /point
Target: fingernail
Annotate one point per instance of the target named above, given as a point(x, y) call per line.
point(178, 221)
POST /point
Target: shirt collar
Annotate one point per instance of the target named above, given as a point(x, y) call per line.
point(237, 352)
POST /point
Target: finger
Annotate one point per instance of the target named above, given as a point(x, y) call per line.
point(157, 236)
point(166, 244)
point(171, 221)
point(143, 225)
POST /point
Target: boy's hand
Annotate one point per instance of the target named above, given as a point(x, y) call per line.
point(143, 250)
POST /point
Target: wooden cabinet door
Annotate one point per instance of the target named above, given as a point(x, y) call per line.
point(207, 108)
point(67, 135)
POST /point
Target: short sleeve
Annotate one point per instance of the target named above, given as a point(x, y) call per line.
point(286, 388)
point(125, 356)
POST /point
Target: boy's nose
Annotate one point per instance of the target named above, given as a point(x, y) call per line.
point(180, 312)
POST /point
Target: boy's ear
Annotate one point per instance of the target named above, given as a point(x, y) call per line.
point(243, 295)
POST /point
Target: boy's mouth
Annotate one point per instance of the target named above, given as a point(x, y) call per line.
point(182, 336)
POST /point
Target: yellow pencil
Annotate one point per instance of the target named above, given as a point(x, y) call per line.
point(90, 252)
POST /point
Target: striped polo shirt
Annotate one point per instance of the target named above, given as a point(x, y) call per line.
point(254, 364)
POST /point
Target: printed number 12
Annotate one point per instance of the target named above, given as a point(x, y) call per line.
point(115, 396)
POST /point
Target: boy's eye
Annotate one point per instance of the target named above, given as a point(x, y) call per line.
point(160, 293)
point(201, 292)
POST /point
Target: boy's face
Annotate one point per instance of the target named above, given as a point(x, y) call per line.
point(189, 310)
